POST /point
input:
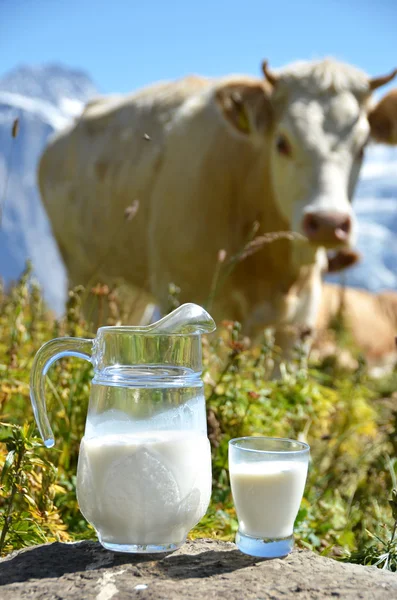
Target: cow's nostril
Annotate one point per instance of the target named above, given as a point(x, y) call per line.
point(310, 224)
point(346, 225)
point(327, 227)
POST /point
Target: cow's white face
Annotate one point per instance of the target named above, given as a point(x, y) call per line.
point(313, 119)
point(316, 153)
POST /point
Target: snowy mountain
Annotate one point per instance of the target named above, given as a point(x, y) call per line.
point(44, 99)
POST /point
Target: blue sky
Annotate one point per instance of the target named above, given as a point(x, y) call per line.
point(124, 44)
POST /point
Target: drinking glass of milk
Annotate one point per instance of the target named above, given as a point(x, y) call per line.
point(144, 469)
point(267, 476)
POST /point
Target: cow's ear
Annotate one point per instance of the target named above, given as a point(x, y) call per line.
point(383, 119)
point(246, 106)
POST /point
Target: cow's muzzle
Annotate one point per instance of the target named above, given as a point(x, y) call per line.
point(328, 229)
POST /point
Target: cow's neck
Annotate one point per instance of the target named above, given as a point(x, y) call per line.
point(261, 284)
point(293, 255)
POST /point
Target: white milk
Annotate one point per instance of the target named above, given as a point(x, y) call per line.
point(267, 496)
point(145, 488)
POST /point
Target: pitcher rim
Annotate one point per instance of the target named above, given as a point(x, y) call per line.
point(141, 331)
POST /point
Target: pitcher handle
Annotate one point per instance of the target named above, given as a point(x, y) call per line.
point(46, 355)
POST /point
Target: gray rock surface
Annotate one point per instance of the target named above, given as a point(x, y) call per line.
point(205, 569)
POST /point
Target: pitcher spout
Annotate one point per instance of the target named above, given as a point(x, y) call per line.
point(188, 319)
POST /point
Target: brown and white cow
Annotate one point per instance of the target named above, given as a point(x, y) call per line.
point(207, 158)
point(371, 320)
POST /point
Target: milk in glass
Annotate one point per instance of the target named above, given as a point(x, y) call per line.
point(267, 495)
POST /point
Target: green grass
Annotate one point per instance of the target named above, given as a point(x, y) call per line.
point(348, 419)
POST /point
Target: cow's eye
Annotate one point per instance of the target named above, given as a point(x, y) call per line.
point(283, 146)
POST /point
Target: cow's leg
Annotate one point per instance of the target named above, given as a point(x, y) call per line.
point(295, 337)
point(293, 343)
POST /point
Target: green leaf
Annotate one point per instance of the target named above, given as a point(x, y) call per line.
point(7, 464)
point(5, 433)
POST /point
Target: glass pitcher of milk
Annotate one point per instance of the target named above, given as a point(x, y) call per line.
point(144, 469)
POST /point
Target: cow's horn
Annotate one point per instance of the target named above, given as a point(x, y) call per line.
point(378, 81)
point(271, 77)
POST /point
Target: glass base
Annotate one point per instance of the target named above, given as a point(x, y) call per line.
point(141, 548)
point(264, 547)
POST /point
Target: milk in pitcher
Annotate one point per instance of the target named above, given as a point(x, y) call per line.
point(150, 487)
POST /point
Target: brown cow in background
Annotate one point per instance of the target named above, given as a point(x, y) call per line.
point(370, 319)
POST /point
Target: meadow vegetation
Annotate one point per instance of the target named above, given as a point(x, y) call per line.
point(349, 510)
